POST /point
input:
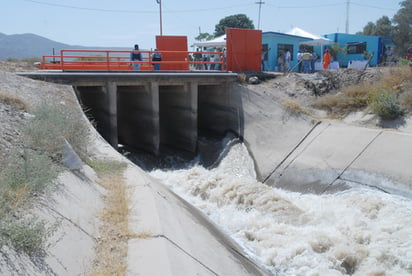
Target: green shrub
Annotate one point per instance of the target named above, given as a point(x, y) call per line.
point(25, 235)
point(24, 175)
point(50, 126)
point(385, 104)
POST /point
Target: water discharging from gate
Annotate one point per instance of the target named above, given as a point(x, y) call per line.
point(357, 232)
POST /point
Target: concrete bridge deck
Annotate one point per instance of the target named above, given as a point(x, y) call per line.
point(147, 110)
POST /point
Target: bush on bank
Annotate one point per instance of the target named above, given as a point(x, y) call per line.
point(29, 172)
point(386, 98)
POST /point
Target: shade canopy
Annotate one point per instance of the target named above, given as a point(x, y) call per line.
point(317, 42)
point(219, 41)
point(314, 40)
point(299, 32)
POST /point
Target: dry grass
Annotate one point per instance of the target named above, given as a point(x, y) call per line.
point(406, 100)
point(357, 97)
point(294, 108)
point(13, 101)
point(394, 77)
point(111, 248)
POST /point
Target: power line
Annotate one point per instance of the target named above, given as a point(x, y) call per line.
point(84, 8)
point(131, 11)
point(372, 6)
point(310, 6)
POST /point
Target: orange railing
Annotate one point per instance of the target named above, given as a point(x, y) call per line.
point(107, 60)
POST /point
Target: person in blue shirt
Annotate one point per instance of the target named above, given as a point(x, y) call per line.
point(136, 56)
point(156, 56)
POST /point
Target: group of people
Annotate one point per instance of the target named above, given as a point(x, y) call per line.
point(205, 60)
point(306, 61)
point(136, 58)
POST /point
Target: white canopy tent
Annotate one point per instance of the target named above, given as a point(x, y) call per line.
point(218, 42)
point(299, 32)
point(314, 40)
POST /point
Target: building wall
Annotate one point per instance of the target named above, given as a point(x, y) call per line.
point(373, 45)
point(274, 39)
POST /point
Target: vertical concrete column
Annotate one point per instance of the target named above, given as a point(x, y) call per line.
point(220, 109)
point(178, 116)
point(138, 116)
point(193, 107)
point(154, 107)
point(111, 90)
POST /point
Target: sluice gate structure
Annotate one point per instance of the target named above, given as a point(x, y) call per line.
point(152, 110)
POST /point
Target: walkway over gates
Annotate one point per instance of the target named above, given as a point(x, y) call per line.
point(108, 60)
point(242, 51)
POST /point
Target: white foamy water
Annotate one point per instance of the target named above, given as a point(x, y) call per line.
point(358, 232)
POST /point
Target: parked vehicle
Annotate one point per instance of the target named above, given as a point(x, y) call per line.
point(409, 53)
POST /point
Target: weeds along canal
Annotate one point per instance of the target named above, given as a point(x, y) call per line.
point(355, 232)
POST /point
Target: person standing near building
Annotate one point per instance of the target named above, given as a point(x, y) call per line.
point(288, 57)
point(389, 55)
point(300, 61)
point(327, 58)
point(306, 57)
point(136, 57)
point(281, 62)
point(156, 57)
point(313, 61)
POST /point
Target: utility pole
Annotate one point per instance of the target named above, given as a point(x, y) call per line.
point(347, 16)
point(160, 12)
point(260, 7)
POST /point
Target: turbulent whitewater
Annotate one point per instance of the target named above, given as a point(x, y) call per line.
point(356, 232)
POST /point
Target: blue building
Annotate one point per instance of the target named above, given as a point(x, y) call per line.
point(355, 47)
point(274, 43)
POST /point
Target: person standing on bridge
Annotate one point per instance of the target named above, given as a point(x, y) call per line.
point(156, 57)
point(136, 57)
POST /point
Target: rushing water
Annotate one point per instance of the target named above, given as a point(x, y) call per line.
point(358, 232)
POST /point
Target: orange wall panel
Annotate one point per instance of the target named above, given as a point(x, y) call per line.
point(243, 49)
point(173, 43)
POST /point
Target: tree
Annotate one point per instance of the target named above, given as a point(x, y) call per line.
point(240, 21)
point(369, 29)
point(383, 27)
point(403, 28)
point(204, 36)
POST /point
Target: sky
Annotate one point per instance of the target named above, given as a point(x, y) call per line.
point(123, 23)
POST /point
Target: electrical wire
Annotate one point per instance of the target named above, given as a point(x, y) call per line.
point(372, 6)
point(133, 11)
point(87, 9)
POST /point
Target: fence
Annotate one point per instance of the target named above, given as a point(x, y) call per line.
point(108, 60)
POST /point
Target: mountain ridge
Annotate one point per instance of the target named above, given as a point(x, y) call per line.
point(29, 45)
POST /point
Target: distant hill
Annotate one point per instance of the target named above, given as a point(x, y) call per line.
point(27, 45)
point(30, 45)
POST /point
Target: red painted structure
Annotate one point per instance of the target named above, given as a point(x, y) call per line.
point(173, 48)
point(244, 48)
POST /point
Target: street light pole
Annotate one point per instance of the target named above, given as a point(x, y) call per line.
point(160, 11)
point(260, 7)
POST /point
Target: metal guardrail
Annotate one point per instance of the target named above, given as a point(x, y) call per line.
point(108, 60)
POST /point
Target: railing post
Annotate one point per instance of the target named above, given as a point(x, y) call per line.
point(108, 60)
point(62, 59)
